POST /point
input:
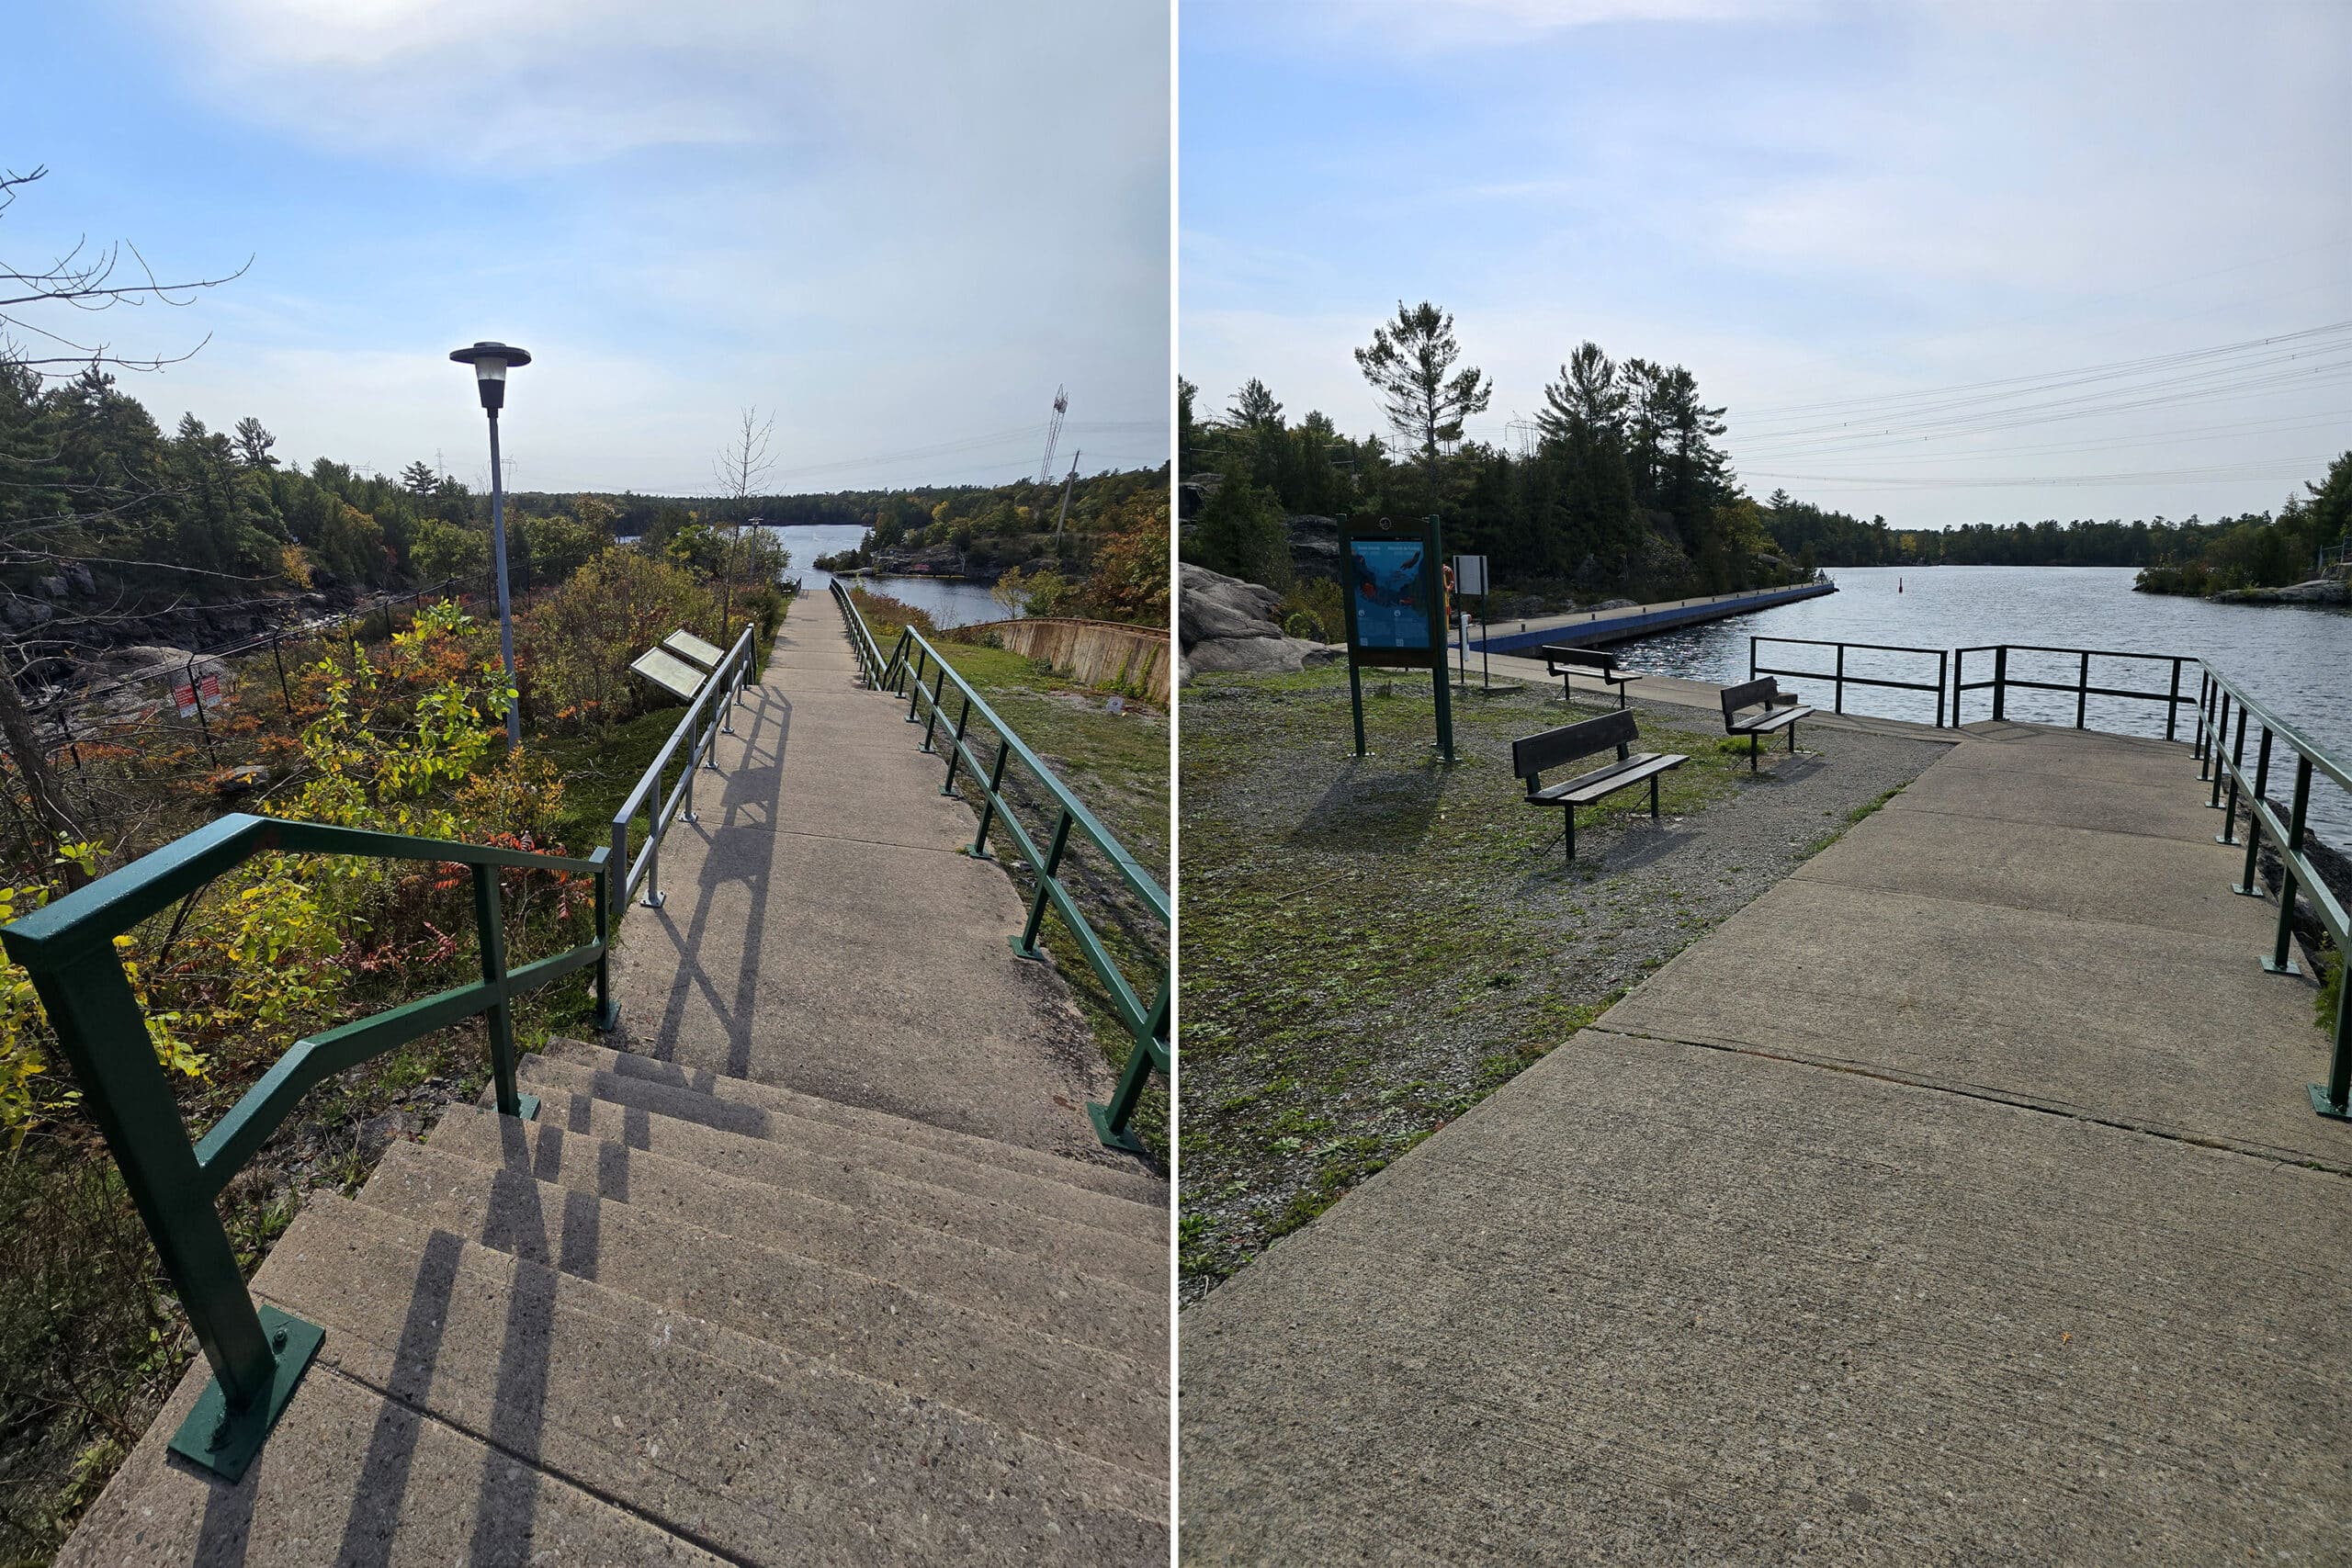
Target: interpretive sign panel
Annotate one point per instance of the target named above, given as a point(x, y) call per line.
point(693, 650)
point(1394, 600)
point(670, 673)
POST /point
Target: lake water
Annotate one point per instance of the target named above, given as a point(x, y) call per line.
point(2294, 660)
point(948, 604)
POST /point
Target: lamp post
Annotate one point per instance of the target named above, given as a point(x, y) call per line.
point(491, 361)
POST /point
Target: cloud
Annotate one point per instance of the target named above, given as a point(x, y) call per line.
point(895, 223)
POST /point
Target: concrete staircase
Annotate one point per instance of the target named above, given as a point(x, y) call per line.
point(684, 1318)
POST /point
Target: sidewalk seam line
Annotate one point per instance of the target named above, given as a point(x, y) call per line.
point(1990, 1097)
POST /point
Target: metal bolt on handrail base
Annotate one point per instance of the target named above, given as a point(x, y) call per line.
point(904, 671)
point(257, 1354)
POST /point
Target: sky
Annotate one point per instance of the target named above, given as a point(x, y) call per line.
point(896, 227)
point(1843, 219)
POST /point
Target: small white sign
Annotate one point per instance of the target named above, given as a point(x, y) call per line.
point(1470, 576)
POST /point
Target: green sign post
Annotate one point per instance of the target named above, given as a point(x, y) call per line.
point(1396, 610)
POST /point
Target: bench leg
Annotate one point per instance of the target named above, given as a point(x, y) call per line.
point(1653, 797)
point(1792, 740)
point(1751, 750)
point(1568, 815)
point(1621, 694)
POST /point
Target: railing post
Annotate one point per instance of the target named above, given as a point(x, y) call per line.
point(277, 659)
point(1837, 699)
point(1751, 658)
point(955, 748)
point(2221, 734)
point(607, 1016)
point(653, 895)
point(931, 720)
point(914, 687)
point(255, 1364)
point(1026, 944)
point(2281, 959)
point(1943, 669)
point(2172, 701)
point(2237, 766)
point(2083, 689)
point(2204, 702)
point(490, 931)
point(2251, 884)
point(2000, 682)
point(987, 801)
point(1111, 1121)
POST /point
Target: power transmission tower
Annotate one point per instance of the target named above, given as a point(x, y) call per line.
point(1053, 435)
point(1066, 487)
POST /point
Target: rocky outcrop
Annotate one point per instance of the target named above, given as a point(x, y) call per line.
point(1227, 625)
point(2318, 590)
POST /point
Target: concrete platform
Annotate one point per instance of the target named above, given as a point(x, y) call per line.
point(1937, 1207)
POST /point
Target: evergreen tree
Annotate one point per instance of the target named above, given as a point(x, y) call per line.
point(1408, 362)
point(253, 443)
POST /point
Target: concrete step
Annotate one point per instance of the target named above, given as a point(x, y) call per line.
point(1059, 1296)
point(754, 1451)
point(350, 1476)
point(1125, 1179)
point(992, 1217)
point(1095, 1402)
point(885, 1155)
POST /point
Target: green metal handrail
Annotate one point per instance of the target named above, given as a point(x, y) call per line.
point(258, 1355)
point(2222, 759)
point(911, 660)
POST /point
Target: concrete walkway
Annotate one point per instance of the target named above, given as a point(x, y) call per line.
point(824, 931)
point(1958, 1200)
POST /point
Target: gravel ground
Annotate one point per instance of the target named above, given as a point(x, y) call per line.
point(1371, 946)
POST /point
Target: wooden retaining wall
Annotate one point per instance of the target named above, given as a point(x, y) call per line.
point(1100, 654)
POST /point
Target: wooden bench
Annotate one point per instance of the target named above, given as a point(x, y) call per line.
point(1777, 710)
point(1530, 758)
point(1563, 661)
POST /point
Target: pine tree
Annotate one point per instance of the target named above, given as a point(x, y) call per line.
point(1407, 364)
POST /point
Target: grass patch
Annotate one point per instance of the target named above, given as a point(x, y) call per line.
point(1373, 945)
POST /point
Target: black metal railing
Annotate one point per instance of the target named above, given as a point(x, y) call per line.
point(2225, 715)
point(1839, 677)
point(2002, 680)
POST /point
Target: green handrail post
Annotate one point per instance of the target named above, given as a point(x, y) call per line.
point(490, 933)
point(257, 1354)
point(1111, 1122)
point(938, 689)
point(2000, 682)
point(956, 748)
point(2250, 884)
point(2281, 959)
point(988, 802)
point(1026, 944)
point(608, 1015)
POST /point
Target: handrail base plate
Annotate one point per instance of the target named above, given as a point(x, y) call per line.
point(2272, 966)
point(225, 1445)
point(2320, 1103)
point(1124, 1142)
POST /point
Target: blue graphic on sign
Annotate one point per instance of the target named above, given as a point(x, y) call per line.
point(1391, 592)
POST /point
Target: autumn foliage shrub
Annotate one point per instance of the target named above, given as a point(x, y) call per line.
point(576, 644)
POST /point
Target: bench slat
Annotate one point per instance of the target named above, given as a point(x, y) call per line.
point(1764, 724)
point(1592, 786)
